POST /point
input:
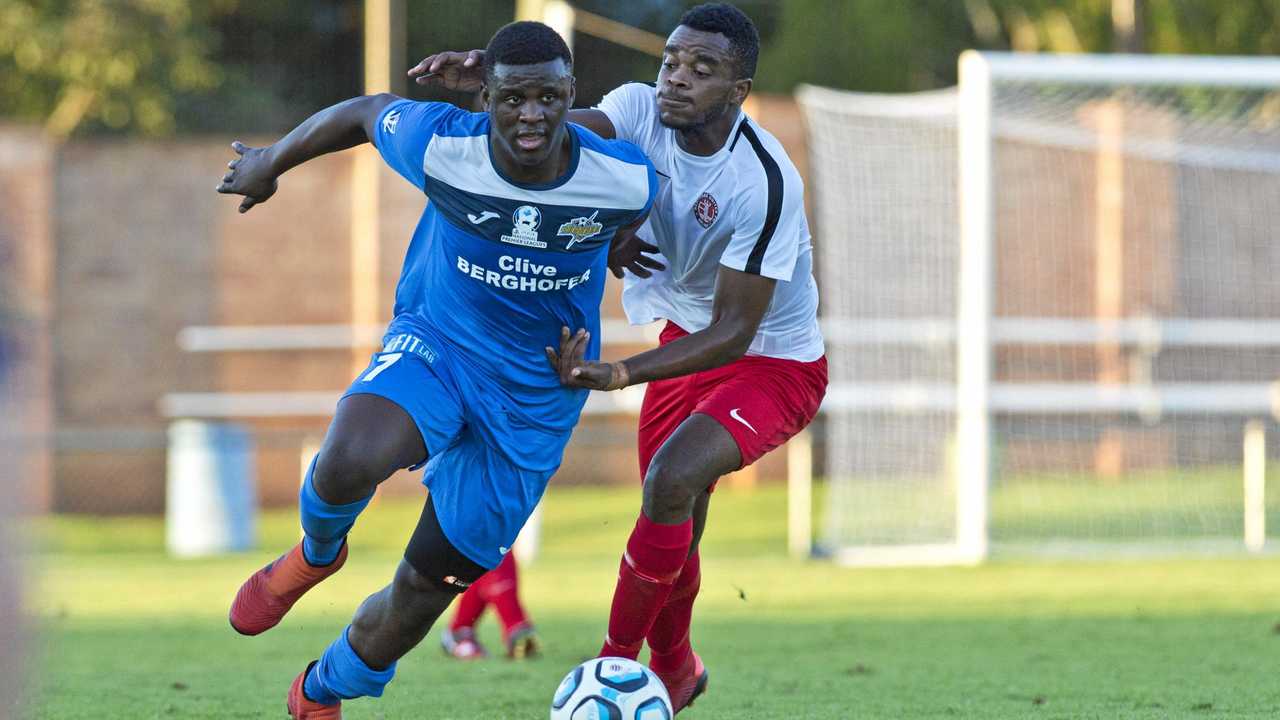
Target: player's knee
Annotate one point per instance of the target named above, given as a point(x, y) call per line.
point(417, 592)
point(346, 471)
point(413, 583)
point(670, 490)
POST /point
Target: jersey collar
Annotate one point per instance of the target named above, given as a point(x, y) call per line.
point(724, 149)
point(575, 150)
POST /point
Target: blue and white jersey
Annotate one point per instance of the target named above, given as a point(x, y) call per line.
point(497, 267)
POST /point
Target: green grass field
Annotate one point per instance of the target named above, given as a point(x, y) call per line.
point(129, 633)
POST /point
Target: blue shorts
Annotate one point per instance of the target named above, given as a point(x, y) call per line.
point(486, 467)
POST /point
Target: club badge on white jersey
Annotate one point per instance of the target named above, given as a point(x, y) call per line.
point(706, 210)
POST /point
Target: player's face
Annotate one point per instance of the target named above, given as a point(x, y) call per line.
point(527, 105)
point(698, 82)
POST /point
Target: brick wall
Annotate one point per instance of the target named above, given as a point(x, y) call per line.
point(145, 247)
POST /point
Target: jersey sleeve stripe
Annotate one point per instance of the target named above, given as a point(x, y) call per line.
point(773, 176)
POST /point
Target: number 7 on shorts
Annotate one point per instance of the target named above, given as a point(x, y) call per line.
point(384, 361)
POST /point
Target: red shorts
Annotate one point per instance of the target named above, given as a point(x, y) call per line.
point(761, 401)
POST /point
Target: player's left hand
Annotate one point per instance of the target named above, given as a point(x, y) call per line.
point(462, 71)
point(577, 372)
point(249, 175)
point(628, 252)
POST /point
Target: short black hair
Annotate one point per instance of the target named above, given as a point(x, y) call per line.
point(525, 43)
point(734, 24)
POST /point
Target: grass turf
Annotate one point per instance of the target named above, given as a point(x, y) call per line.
point(129, 633)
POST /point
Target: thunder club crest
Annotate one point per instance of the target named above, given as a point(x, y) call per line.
point(579, 229)
point(706, 210)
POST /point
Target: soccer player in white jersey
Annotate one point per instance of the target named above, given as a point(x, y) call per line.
point(741, 366)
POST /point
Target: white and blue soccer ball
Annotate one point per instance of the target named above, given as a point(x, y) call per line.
point(611, 689)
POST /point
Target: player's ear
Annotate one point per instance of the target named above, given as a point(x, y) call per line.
point(484, 94)
point(573, 89)
point(741, 89)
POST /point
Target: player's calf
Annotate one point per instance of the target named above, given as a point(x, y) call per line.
point(324, 524)
point(650, 566)
point(433, 572)
point(394, 620)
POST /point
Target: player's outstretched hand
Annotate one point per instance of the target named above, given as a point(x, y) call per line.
point(576, 372)
point(627, 252)
point(249, 175)
point(462, 71)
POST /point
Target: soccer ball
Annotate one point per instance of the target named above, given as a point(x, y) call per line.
point(611, 689)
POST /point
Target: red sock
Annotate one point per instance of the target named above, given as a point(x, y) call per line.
point(655, 553)
point(471, 604)
point(669, 637)
point(503, 591)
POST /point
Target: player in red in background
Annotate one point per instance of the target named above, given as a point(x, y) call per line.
point(500, 588)
point(741, 366)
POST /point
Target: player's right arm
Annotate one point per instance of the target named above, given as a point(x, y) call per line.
point(254, 173)
point(464, 72)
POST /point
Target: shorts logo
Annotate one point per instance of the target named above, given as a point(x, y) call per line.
point(706, 210)
point(524, 227)
point(454, 581)
point(408, 343)
point(734, 414)
point(579, 229)
point(390, 121)
point(503, 549)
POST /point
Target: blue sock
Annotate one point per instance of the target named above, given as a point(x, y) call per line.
point(325, 525)
point(342, 675)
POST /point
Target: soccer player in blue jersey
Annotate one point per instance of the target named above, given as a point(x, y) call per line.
point(511, 248)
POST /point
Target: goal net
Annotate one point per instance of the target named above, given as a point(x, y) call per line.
point(1052, 307)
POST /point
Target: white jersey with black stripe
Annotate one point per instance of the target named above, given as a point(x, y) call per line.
point(742, 207)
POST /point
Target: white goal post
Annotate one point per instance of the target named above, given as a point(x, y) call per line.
point(1047, 283)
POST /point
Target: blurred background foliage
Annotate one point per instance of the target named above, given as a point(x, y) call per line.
point(159, 67)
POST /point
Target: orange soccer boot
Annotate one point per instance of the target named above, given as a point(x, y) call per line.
point(685, 684)
point(268, 594)
point(302, 708)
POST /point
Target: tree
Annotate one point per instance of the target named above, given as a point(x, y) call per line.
point(1239, 27)
point(902, 45)
point(868, 45)
point(117, 64)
